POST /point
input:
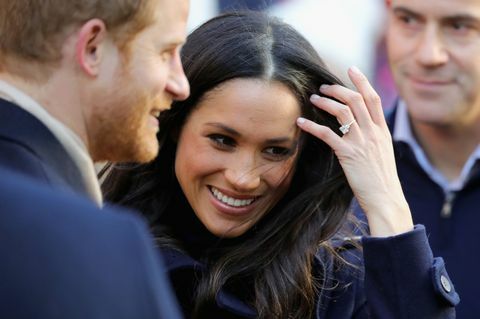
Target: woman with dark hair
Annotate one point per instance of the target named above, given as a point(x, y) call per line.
point(254, 181)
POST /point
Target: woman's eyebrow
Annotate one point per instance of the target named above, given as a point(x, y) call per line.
point(278, 140)
point(224, 128)
point(235, 133)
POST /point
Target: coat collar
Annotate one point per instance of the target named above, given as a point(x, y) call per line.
point(23, 128)
point(176, 260)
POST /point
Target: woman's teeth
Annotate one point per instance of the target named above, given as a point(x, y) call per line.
point(230, 200)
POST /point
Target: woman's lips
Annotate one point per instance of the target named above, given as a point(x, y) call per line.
point(236, 200)
point(233, 204)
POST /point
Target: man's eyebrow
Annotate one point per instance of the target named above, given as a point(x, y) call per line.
point(452, 18)
point(174, 43)
point(464, 17)
point(406, 11)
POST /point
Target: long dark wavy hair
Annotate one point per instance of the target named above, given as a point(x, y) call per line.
point(278, 256)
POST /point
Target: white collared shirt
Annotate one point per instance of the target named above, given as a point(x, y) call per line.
point(69, 140)
point(403, 132)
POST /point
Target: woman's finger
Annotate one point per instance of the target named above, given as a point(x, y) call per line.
point(342, 112)
point(323, 133)
point(351, 98)
point(370, 96)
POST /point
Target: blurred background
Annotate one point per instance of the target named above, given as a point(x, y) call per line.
point(344, 32)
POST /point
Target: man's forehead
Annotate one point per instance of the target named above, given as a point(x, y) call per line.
point(170, 10)
point(439, 8)
point(171, 20)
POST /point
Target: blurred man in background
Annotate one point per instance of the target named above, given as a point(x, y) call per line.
point(434, 53)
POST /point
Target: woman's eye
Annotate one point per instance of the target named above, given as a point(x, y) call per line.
point(222, 140)
point(278, 151)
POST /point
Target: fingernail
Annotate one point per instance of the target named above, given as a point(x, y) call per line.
point(314, 97)
point(355, 70)
point(323, 86)
point(300, 120)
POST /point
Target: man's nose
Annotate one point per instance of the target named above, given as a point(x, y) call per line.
point(177, 84)
point(431, 50)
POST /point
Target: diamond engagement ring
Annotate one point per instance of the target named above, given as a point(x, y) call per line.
point(345, 128)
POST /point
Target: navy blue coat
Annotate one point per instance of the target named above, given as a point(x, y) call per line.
point(29, 148)
point(64, 258)
point(452, 235)
point(397, 277)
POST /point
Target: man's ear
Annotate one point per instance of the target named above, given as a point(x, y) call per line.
point(90, 45)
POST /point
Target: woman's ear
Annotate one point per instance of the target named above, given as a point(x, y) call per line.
point(90, 46)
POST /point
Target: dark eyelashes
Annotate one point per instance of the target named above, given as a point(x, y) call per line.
point(280, 151)
point(276, 152)
point(221, 140)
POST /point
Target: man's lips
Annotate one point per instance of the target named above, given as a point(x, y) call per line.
point(429, 85)
point(424, 81)
point(429, 78)
point(155, 112)
point(153, 118)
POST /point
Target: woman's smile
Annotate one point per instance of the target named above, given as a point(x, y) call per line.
point(235, 153)
point(235, 201)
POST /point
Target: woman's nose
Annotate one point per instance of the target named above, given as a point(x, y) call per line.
point(244, 179)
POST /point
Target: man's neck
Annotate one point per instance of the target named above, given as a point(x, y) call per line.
point(447, 148)
point(58, 102)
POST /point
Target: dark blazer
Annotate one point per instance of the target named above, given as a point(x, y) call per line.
point(61, 257)
point(28, 147)
point(394, 277)
point(453, 233)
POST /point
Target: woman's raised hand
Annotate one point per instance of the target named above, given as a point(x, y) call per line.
point(365, 152)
